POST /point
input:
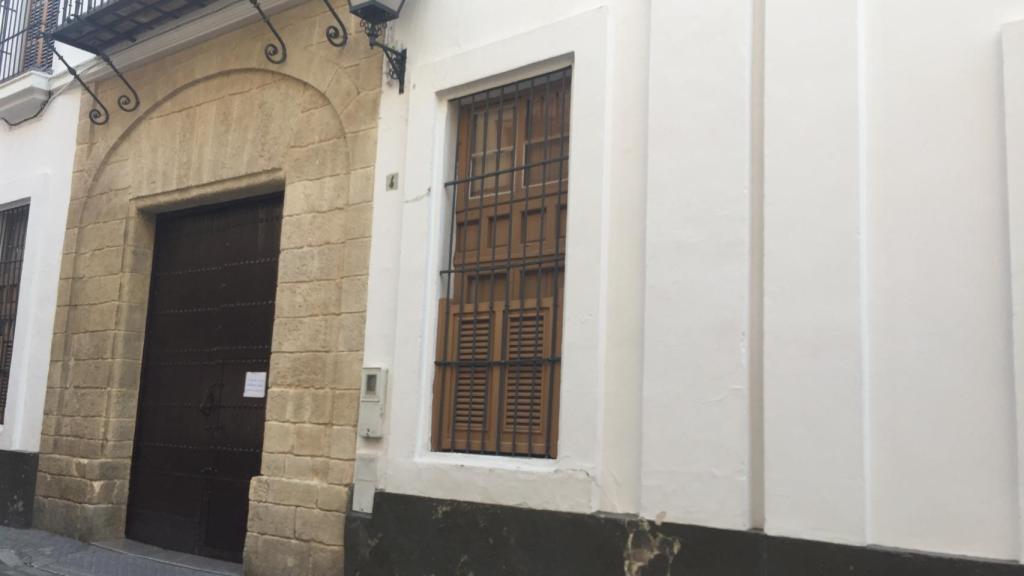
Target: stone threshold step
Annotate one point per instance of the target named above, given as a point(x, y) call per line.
point(179, 559)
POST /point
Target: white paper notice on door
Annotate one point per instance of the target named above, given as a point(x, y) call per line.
point(255, 385)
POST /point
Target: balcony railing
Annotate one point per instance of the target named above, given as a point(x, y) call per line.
point(98, 25)
point(23, 42)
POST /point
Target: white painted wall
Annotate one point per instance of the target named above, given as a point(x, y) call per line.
point(599, 446)
point(833, 241)
point(888, 365)
point(1013, 90)
point(813, 373)
point(36, 161)
point(696, 393)
point(941, 392)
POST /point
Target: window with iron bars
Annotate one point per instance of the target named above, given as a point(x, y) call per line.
point(23, 42)
point(499, 342)
point(13, 225)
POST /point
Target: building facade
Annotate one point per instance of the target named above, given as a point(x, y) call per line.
point(756, 318)
point(208, 320)
point(591, 287)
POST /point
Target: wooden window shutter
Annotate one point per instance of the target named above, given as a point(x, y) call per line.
point(498, 364)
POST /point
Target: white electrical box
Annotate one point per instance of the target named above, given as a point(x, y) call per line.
point(372, 395)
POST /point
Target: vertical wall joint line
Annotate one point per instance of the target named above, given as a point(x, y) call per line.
point(756, 305)
point(862, 193)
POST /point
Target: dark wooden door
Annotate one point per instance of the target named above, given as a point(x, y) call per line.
point(199, 436)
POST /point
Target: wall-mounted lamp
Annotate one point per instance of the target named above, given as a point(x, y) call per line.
point(374, 16)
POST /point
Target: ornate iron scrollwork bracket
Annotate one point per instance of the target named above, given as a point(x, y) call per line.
point(124, 101)
point(99, 114)
point(276, 53)
point(336, 35)
point(396, 58)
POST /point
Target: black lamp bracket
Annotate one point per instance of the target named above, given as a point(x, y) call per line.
point(396, 58)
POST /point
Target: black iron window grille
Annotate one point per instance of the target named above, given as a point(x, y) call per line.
point(23, 42)
point(498, 366)
point(13, 225)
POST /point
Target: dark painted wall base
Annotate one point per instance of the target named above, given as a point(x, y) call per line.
point(17, 487)
point(412, 536)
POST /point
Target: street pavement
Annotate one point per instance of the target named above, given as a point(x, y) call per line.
point(36, 553)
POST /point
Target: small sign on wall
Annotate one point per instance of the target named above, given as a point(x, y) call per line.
point(255, 385)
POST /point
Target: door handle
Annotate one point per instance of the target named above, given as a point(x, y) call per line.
point(206, 408)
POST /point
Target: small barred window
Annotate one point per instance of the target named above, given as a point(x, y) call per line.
point(13, 225)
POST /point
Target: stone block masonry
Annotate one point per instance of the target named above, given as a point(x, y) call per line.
point(217, 123)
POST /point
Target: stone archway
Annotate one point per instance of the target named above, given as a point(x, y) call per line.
point(223, 125)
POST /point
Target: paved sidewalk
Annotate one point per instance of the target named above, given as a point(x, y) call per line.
point(36, 553)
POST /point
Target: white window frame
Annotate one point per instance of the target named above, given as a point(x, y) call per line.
point(409, 465)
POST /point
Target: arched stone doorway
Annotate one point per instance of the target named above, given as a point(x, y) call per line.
point(224, 125)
